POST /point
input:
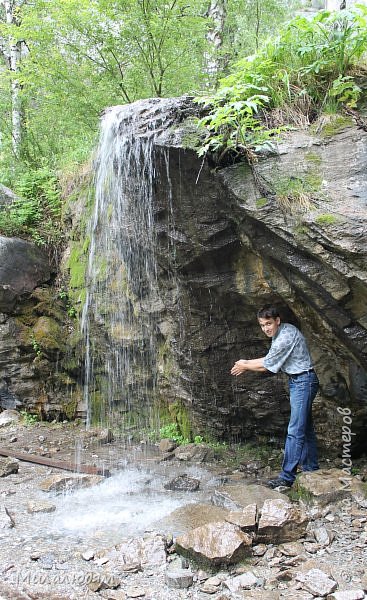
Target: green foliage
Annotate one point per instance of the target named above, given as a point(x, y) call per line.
point(346, 91)
point(232, 122)
point(29, 418)
point(71, 311)
point(36, 347)
point(36, 211)
point(308, 67)
point(172, 432)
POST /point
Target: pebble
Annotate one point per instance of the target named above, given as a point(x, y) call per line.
point(135, 592)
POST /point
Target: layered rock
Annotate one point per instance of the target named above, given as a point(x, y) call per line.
point(32, 330)
point(289, 230)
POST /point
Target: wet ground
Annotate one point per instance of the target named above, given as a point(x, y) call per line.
point(44, 554)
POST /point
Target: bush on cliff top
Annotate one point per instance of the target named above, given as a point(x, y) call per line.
point(311, 66)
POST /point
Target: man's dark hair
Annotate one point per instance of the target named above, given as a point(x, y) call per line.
point(268, 312)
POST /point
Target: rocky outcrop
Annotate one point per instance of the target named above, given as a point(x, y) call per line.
point(289, 230)
point(22, 267)
point(33, 319)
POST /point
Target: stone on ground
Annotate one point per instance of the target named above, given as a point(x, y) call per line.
point(179, 578)
point(317, 582)
point(8, 466)
point(281, 521)
point(246, 581)
point(183, 483)
point(61, 483)
point(9, 416)
point(237, 496)
point(245, 519)
point(198, 453)
point(347, 595)
point(35, 506)
point(219, 543)
point(328, 485)
point(167, 445)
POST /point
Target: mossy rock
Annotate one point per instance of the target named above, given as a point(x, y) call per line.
point(48, 334)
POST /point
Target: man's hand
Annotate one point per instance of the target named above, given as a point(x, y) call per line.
point(239, 367)
point(253, 364)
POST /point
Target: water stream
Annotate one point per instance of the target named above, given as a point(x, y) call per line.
point(122, 298)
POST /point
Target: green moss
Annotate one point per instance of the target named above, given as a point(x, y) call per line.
point(298, 492)
point(313, 157)
point(47, 335)
point(326, 219)
point(334, 124)
point(313, 180)
point(69, 408)
point(301, 230)
point(261, 202)
point(77, 266)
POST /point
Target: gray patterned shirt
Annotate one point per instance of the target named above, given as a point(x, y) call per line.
point(288, 351)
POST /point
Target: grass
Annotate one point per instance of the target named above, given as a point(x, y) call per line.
point(326, 219)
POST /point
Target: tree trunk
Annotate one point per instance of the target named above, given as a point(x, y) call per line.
point(13, 59)
point(217, 14)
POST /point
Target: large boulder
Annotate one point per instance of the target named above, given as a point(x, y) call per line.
point(22, 267)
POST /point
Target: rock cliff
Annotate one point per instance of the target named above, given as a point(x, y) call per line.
point(291, 229)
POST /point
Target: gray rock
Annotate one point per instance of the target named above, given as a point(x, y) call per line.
point(135, 592)
point(317, 582)
point(179, 578)
point(61, 483)
point(8, 466)
point(36, 506)
point(323, 536)
point(281, 521)
point(246, 581)
point(7, 196)
point(149, 551)
point(8, 417)
point(328, 485)
point(22, 267)
point(194, 452)
point(183, 483)
point(219, 543)
point(167, 445)
point(347, 595)
point(245, 519)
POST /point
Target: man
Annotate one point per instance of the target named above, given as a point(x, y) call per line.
point(289, 353)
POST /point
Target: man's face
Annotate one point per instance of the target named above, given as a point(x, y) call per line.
point(269, 326)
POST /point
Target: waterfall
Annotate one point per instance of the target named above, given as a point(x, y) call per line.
point(122, 299)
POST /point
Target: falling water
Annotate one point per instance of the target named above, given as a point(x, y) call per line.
point(122, 294)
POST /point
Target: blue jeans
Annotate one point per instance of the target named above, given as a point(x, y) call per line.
point(300, 445)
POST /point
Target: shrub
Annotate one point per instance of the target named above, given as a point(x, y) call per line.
point(310, 66)
point(36, 212)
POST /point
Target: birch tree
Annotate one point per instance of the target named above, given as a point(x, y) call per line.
point(216, 13)
point(11, 49)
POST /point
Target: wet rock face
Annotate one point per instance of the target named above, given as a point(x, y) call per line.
point(229, 242)
point(32, 331)
point(22, 267)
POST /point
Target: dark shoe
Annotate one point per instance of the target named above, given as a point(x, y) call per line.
point(279, 482)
